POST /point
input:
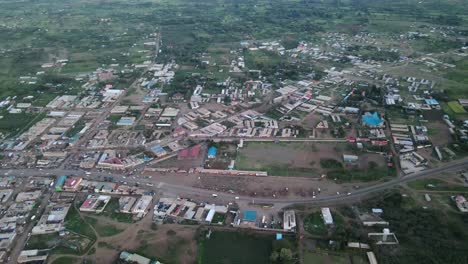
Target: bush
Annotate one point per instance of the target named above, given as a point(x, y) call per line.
point(330, 164)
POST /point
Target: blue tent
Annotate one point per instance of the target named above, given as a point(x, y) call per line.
point(372, 120)
point(212, 152)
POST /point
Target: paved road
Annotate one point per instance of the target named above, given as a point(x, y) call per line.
point(189, 191)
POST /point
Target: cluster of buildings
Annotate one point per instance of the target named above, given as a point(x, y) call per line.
point(16, 208)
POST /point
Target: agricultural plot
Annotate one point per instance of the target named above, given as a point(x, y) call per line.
point(456, 107)
point(225, 247)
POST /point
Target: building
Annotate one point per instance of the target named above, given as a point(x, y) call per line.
point(462, 203)
point(28, 196)
point(60, 182)
point(212, 151)
point(135, 258)
point(126, 204)
point(289, 221)
point(142, 205)
point(52, 220)
point(33, 256)
point(327, 216)
point(72, 184)
point(384, 238)
point(95, 203)
point(350, 158)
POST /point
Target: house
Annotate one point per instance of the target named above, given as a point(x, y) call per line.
point(462, 203)
point(142, 205)
point(212, 151)
point(350, 158)
point(289, 220)
point(72, 184)
point(327, 216)
point(135, 258)
point(95, 203)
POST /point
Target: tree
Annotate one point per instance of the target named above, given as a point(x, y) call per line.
point(274, 256)
point(285, 254)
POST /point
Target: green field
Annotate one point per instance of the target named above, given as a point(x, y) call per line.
point(14, 124)
point(112, 212)
point(66, 260)
point(235, 247)
point(75, 223)
point(436, 185)
point(456, 107)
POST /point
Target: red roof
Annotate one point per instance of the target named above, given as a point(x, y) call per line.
point(189, 153)
point(72, 182)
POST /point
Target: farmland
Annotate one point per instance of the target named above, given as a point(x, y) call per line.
point(223, 247)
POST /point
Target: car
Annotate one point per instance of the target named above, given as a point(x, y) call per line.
point(214, 195)
point(348, 194)
point(237, 197)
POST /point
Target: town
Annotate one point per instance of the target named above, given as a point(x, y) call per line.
point(341, 147)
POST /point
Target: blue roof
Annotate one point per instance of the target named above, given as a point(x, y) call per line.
point(250, 215)
point(212, 151)
point(279, 236)
point(158, 149)
point(60, 181)
point(431, 101)
point(372, 119)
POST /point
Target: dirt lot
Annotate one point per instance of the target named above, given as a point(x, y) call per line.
point(167, 243)
point(439, 133)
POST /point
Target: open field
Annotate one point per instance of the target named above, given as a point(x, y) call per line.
point(74, 222)
point(103, 229)
point(456, 107)
point(437, 185)
point(306, 159)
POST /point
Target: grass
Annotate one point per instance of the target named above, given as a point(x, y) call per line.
point(65, 260)
point(75, 223)
point(456, 107)
point(45, 241)
point(174, 250)
point(364, 175)
point(235, 247)
point(276, 169)
point(72, 244)
point(76, 128)
point(13, 124)
point(218, 218)
point(104, 230)
point(112, 212)
point(315, 258)
point(439, 185)
point(314, 224)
